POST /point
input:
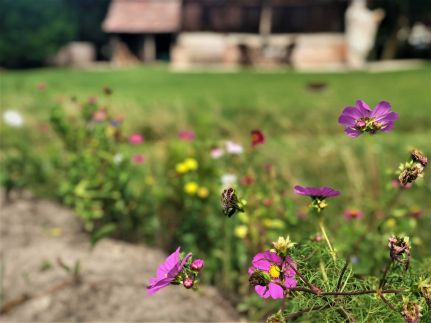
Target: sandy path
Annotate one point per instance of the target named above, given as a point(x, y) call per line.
point(35, 233)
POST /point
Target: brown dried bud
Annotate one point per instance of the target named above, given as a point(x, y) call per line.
point(419, 157)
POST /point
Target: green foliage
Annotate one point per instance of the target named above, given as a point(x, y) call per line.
point(95, 177)
point(32, 31)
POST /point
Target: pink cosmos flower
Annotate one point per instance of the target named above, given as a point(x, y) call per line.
point(269, 273)
point(353, 214)
point(233, 148)
point(257, 137)
point(136, 139)
point(186, 135)
point(100, 115)
point(360, 118)
point(167, 272)
point(138, 159)
point(217, 152)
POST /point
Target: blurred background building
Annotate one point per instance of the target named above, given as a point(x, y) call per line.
point(209, 33)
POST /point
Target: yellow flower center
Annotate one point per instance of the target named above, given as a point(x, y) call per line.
point(274, 271)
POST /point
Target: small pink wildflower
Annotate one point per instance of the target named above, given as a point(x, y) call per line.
point(138, 159)
point(353, 214)
point(186, 135)
point(136, 139)
point(217, 152)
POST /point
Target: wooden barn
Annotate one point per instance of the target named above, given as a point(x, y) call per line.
point(227, 32)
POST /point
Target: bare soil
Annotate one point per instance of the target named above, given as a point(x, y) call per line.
point(39, 239)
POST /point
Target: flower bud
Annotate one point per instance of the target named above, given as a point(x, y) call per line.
point(197, 264)
point(188, 282)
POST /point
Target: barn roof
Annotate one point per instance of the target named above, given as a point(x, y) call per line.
point(143, 16)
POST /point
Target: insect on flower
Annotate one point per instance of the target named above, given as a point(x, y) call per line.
point(230, 202)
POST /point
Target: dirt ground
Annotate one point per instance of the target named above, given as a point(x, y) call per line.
point(39, 239)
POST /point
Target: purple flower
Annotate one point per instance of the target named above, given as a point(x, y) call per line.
point(167, 271)
point(360, 118)
point(269, 272)
point(316, 192)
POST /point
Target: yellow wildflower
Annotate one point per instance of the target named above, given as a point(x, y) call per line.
point(149, 180)
point(181, 168)
point(203, 192)
point(191, 163)
point(391, 223)
point(191, 188)
point(241, 231)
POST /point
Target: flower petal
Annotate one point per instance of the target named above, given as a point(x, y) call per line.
point(389, 126)
point(392, 116)
point(364, 109)
point(382, 109)
point(353, 112)
point(262, 291)
point(347, 120)
point(290, 282)
point(352, 132)
point(170, 262)
point(275, 290)
point(157, 285)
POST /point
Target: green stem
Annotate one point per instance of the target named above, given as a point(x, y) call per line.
point(325, 236)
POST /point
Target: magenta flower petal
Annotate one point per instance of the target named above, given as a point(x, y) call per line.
point(262, 291)
point(157, 285)
point(364, 109)
point(290, 282)
point(275, 290)
point(264, 260)
point(352, 112)
point(352, 132)
point(388, 127)
point(381, 109)
point(170, 262)
point(318, 192)
point(347, 120)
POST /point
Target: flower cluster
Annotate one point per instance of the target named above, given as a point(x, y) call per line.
point(360, 119)
point(188, 165)
point(176, 269)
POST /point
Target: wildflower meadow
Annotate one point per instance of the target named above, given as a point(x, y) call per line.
point(296, 204)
